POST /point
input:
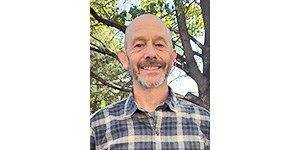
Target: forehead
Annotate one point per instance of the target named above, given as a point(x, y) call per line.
point(145, 21)
point(144, 31)
point(148, 34)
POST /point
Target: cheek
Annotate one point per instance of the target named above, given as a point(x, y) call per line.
point(167, 58)
point(133, 59)
point(132, 63)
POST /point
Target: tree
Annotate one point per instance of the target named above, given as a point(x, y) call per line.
point(187, 20)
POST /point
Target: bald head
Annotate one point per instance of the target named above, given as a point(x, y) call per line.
point(146, 22)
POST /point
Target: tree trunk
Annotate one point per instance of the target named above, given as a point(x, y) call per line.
point(205, 8)
point(201, 80)
point(206, 50)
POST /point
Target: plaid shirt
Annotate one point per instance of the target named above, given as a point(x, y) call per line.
point(175, 124)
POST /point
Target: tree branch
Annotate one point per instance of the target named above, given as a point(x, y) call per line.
point(181, 67)
point(107, 22)
point(108, 3)
point(198, 54)
point(195, 53)
point(105, 52)
point(97, 40)
point(197, 43)
point(177, 78)
point(95, 76)
point(195, 101)
point(179, 46)
point(114, 36)
point(192, 38)
point(94, 45)
point(167, 14)
point(181, 58)
point(188, 7)
point(192, 67)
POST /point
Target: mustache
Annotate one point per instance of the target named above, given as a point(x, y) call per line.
point(151, 63)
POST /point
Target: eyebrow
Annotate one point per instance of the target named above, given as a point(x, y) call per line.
point(156, 38)
point(139, 38)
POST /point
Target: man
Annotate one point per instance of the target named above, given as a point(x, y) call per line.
point(151, 117)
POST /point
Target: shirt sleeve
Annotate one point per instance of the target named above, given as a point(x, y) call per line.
point(92, 140)
point(205, 123)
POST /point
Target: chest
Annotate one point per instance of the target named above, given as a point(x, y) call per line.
point(159, 131)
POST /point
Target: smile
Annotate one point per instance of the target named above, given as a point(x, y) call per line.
point(151, 68)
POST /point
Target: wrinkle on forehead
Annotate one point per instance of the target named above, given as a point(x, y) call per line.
point(146, 20)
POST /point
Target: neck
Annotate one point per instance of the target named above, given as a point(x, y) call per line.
point(150, 98)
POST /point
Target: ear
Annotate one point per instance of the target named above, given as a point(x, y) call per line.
point(174, 55)
point(122, 57)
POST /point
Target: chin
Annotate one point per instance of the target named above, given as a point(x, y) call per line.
point(151, 84)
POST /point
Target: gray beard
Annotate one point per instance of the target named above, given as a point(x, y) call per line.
point(134, 74)
point(150, 85)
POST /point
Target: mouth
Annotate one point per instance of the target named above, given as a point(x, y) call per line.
point(151, 67)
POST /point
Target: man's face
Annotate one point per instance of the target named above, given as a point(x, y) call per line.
point(149, 53)
point(150, 72)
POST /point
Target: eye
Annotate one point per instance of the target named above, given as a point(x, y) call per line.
point(138, 45)
point(159, 45)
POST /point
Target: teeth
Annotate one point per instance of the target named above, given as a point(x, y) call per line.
point(149, 68)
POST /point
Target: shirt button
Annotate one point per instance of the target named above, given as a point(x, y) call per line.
point(157, 132)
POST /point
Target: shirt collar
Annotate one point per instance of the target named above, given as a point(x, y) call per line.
point(131, 105)
point(172, 100)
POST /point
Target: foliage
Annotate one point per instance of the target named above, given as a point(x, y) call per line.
point(106, 37)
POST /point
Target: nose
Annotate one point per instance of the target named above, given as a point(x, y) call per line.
point(150, 52)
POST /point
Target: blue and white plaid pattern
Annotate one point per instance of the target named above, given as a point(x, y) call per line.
point(176, 124)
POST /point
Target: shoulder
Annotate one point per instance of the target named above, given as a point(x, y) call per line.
point(198, 113)
point(115, 109)
point(190, 107)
